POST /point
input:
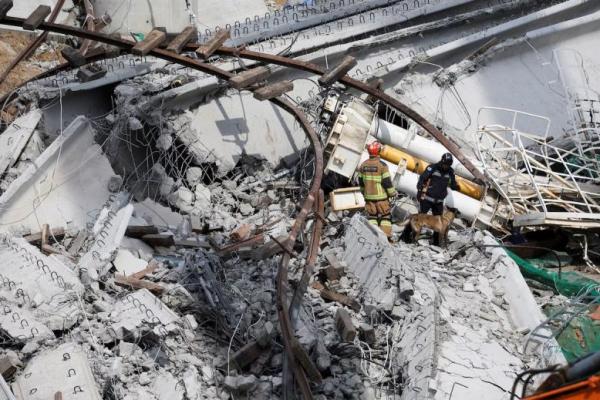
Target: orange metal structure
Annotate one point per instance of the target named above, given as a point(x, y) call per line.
point(584, 390)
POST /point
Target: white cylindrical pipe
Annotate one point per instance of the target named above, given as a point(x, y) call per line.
point(416, 145)
point(407, 183)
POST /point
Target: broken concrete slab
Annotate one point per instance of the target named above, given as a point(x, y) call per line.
point(142, 308)
point(242, 125)
point(109, 229)
point(47, 286)
point(14, 139)
point(21, 325)
point(63, 184)
point(128, 264)
point(371, 259)
point(167, 387)
point(63, 369)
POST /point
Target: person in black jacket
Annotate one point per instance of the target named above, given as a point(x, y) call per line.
point(432, 187)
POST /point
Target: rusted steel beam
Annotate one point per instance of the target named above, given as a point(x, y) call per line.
point(32, 47)
point(365, 88)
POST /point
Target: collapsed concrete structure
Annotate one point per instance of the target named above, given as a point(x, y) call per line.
point(161, 229)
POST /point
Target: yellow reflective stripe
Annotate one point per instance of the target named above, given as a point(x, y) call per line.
point(375, 196)
point(385, 222)
point(385, 175)
point(373, 221)
point(391, 191)
point(374, 178)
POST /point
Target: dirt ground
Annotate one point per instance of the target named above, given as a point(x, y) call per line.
point(11, 43)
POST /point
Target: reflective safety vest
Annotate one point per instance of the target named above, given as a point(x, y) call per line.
point(375, 181)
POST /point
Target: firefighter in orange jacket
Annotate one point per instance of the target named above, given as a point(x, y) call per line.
point(377, 188)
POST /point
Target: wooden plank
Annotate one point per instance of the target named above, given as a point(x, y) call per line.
point(73, 57)
point(331, 295)
point(5, 6)
point(154, 39)
point(48, 249)
point(125, 281)
point(36, 18)
point(182, 39)
point(242, 232)
point(344, 325)
point(206, 50)
point(7, 367)
point(245, 356)
point(152, 266)
point(249, 77)
point(78, 242)
point(192, 244)
point(311, 370)
point(45, 233)
point(333, 75)
point(274, 90)
point(36, 238)
point(137, 231)
point(162, 240)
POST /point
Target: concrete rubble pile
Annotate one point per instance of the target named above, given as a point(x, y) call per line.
point(173, 298)
point(145, 206)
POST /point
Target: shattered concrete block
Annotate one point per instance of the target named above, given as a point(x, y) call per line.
point(323, 357)
point(21, 325)
point(115, 184)
point(164, 142)
point(142, 309)
point(344, 325)
point(167, 387)
point(190, 322)
point(246, 355)
point(86, 189)
point(14, 139)
point(128, 264)
point(367, 334)
point(109, 230)
point(203, 197)
point(240, 383)
point(193, 176)
point(44, 283)
point(64, 368)
point(266, 334)
point(191, 381)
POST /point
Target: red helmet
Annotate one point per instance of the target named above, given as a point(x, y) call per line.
point(374, 148)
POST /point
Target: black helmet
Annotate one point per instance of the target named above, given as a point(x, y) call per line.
point(447, 159)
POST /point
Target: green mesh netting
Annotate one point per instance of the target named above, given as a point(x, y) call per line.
point(569, 284)
point(582, 335)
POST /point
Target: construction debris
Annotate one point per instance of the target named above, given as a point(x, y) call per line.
point(166, 233)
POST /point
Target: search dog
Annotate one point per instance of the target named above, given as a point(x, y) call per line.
point(437, 223)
